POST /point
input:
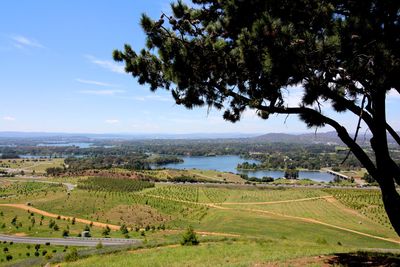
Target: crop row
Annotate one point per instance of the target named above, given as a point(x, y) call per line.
point(113, 184)
point(367, 202)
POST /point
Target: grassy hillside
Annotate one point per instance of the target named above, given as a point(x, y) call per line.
point(237, 225)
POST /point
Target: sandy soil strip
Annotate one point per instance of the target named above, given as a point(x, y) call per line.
point(286, 216)
point(52, 215)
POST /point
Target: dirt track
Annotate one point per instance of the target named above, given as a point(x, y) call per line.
point(98, 224)
point(308, 220)
point(52, 215)
point(321, 223)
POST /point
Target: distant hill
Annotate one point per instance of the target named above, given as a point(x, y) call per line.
point(123, 136)
point(328, 137)
point(305, 138)
point(323, 138)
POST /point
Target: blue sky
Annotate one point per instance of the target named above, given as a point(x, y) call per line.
point(57, 75)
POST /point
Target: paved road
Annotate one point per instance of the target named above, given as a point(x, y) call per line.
point(70, 241)
point(69, 186)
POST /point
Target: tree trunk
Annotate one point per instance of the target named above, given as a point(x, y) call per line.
point(391, 202)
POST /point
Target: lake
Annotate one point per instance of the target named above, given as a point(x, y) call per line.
point(229, 163)
point(80, 145)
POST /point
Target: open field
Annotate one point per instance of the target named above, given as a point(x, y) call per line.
point(243, 253)
point(267, 224)
point(20, 252)
point(368, 203)
point(30, 166)
point(201, 175)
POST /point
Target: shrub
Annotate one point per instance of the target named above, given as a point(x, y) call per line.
point(49, 256)
point(65, 233)
point(189, 238)
point(72, 255)
point(51, 223)
point(106, 231)
point(124, 229)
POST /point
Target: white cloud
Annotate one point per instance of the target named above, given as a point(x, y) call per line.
point(22, 42)
point(112, 121)
point(293, 95)
point(149, 97)
point(159, 98)
point(8, 118)
point(101, 92)
point(107, 64)
point(96, 83)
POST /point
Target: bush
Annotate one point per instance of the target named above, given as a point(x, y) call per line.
point(189, 238)
point(65, 233)
point(49, 256)
point(72, 255)
point(99, 245)
point(106, 231)
point(124, 229)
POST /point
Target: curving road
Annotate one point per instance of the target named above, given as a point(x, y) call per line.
point(70, 241)
point(69, 186)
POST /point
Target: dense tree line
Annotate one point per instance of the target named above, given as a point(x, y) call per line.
point(300, 159)
point(138, 154)
point(132, 162)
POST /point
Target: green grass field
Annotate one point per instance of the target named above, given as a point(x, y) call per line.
point(30, 166)
point(237, 225)
point(203, 175)
point(20, 252)
point(241, 253)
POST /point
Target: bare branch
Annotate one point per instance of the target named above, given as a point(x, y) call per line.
point(358, 127)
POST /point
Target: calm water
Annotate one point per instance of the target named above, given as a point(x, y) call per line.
point(229, 163)
point(80, 145)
